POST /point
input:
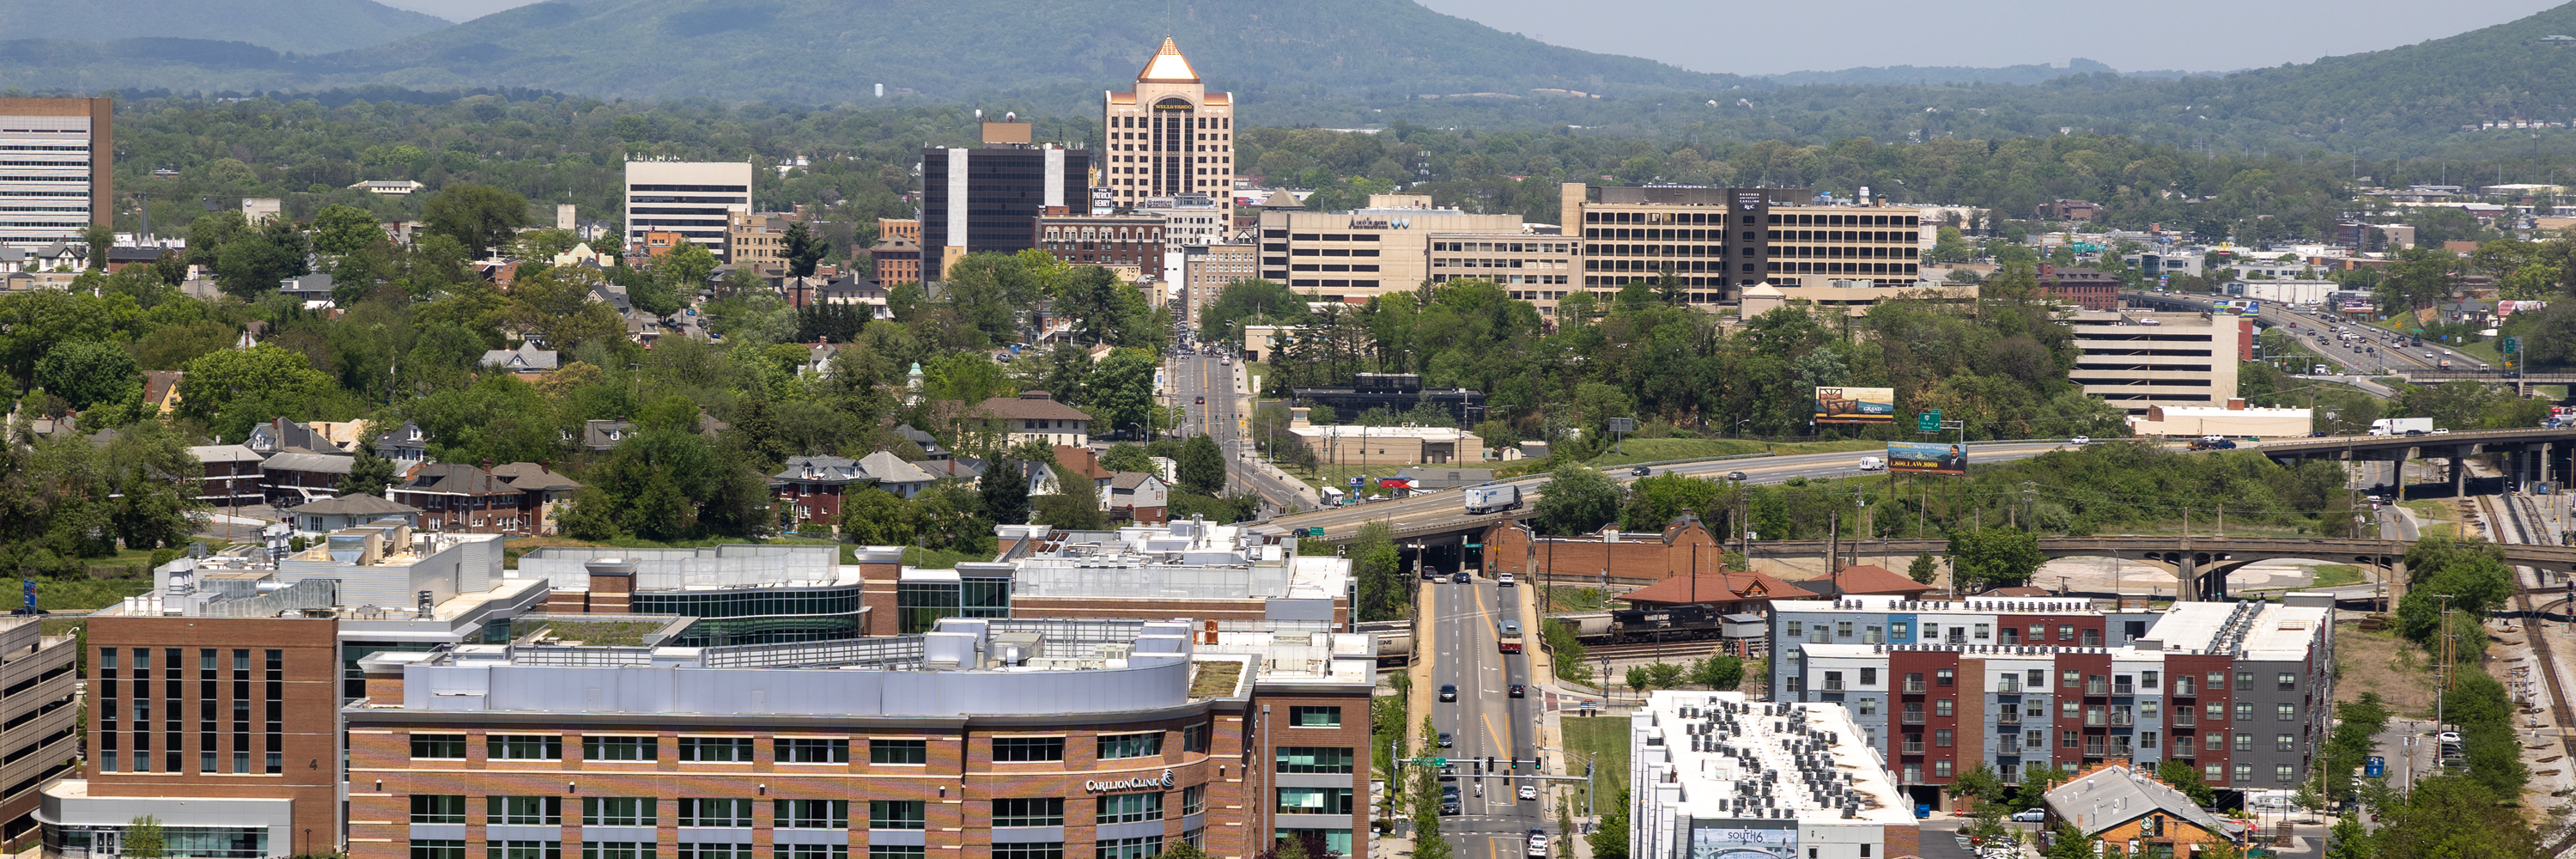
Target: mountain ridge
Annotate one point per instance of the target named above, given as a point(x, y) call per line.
point(299, 26)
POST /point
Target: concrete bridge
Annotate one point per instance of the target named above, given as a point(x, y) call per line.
point(2529, 455)
point(2199, 564)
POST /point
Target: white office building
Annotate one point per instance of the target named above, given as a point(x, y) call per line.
point(1715, 775)
point(2137, 359)
point(691, 198)
point(58, 154)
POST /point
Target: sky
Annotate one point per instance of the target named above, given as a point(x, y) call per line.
point(1767, 38)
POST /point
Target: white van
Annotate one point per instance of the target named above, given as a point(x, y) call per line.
point(1872, 463)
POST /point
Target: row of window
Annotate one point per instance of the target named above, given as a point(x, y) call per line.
point(1122, 848)
point(2012, 712)
point(815, 750)
point(883, 814)
point(2036, 680)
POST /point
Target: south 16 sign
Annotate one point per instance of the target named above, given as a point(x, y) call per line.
point(1129, 783)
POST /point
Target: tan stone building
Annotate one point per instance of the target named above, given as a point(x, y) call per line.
point(1169, 135)
point(1357, 255)
point(757, 241)
point(2139, 360)
point(1719, 241)
point(1539, 269)
point(1206, 269)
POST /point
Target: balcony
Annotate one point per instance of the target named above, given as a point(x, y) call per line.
point(2183, 717)
point(2121, 718)
point(2093, 719)
point(2008, 719)
point(1913, 717)
point(2096, 687)
point(2183, 687)
point(2010, 746)
point(2183, 751)
point(2011, 686)
point(2092, 750)
point(2123, 689)
point(1912, 747)
point(1914, 686)
point(1833, 685)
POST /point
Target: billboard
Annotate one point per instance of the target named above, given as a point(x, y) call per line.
point(1744, 839)
point(1927, 458)
point(1855, 405)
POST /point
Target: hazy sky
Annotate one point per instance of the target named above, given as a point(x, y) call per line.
point(1762, 38)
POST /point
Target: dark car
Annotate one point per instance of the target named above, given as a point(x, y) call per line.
point(1462, 578)
point(1449, 799)
point(1202, 401)
point(2319, 434)
point(2414, 432)
point(1445, 740)
point(1640, 471)
point(1735, 475)
point(1519, 691)
point(1448, 691)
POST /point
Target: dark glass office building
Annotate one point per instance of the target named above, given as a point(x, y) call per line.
point(988, 198)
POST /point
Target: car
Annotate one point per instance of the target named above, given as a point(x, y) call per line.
point(2446, 351)
point(1519, 691)
point(2428, 354)
point(2441, 431)
point(2032, 815)
point(1461, 578)
point(1529, 792)
point(2213, 439)
point(1449, 799)
point(2082, 439)
point(1502, 580)
point(1446, 741)
point(1202, 401)
point(2319, 434)
point(2414, 432)
point(1735, 475)
point(2448, 738)
point(1448, 691)
point(1640, 471)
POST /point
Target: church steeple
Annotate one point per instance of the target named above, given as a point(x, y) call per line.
point(1168, 67)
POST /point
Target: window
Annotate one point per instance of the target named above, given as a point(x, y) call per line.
point(1193, 799)
point(1194, 738)
point(1129, 808)
point(1896, 630)
point(617, 850)
point(897, 814)
point(2217, 680)
point(1942, 737)
point(2038, 680)
point(437, 808)
point(1019, 850)
point(2287, 712)
point(437, 848)
point(707, 850)
point(1931, 631)
point(1833, 681)
point(733, 750)
point(2147, 740)
point(1941, 768)
point(1130, 848)
point(2214, 741)
point(2244, 772)
point(1117, 746)
point(2244, 712)
point(446, 746)
point(2289, 682)
point(1028, 748)
point(523, 850)
point(2281, 772)
point(1314, 759)
point(1048, 811)
point(898, 751)
point(2147, 679)
point(1797, 629)
point(523, 810)
point(1869, 706)
point(2283, 742)
point(2215, 712)
point(1982, 633)
point(2067, 709)
point(2071, 679)
point(1869, 677)
point(1842, 629)
point(2149, 709)
point(1944, 677)
point(799, 750)
point(519, 747)
point(617, 810)
point(901, 851)
point(1315, 717)
point(812, 813)
point(2214, 772)
point(2065, 632)
point(2245, 742)
point(2244, 680)
point(814, 851)
point(620, 749)
point(716, 813)
point(1313, 800)
point(1944, 706)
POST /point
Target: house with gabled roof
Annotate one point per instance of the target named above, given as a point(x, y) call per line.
point(463, 498)
point(813, 486)
point(527, 360)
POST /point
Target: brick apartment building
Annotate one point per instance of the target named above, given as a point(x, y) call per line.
point(1106, 739)
point(2242, 690)
point(464, 498)
point(2091, 289)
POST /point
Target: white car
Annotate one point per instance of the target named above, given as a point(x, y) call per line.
point(2030, 815)
point(1529, 792)
point(2082, 439)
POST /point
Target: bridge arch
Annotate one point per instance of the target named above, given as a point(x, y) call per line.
point(2201, 573)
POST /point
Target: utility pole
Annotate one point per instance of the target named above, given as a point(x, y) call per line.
point(2444, 667)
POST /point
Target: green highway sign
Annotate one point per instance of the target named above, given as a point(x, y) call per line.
point(1315, 531)
point(1928, 421)
point(2509, 345)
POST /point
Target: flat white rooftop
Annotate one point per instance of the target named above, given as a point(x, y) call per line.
point(1711, 756)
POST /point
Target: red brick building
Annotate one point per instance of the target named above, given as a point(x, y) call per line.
point(2091, 289)
point(463, 498)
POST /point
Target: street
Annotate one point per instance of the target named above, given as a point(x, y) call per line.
point(1226, 391)
point(1484, 721)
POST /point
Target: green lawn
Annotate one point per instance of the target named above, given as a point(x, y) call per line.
point(87, 594)
point(2336, 575)
point(1603, 740)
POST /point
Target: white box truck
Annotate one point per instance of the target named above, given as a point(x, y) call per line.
point(1489, 498)
point(2401, 426)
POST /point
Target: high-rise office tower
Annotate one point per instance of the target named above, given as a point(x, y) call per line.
point(1169, 135)
point(58, 154)
point(987, 198)
point(692, 198)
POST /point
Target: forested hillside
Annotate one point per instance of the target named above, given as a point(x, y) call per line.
point(301, 26)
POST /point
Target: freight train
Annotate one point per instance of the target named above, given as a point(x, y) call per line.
point(1672, 623)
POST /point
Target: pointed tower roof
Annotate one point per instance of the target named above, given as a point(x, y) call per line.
point(1168, 67)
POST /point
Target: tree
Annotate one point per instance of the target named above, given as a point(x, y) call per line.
point(1718, 672)
point(86, 373)
point(1201, 466)
point(1993, 557)
point(1924, 569)
point(1068, 511)
point(2068, 843)
point(1980, 782)
point(368, 475)
point(803, 250)
point(1576, 500)
point(2350, 839)
point(257, 259)
point(339, 229)
point(143, 839)
point(1610, 839)
point(1177, 849)
point(1664, 674)
point(1124, 456)
point(554, 307)
point(2182, 776)
point(215, 379)
point(1005, 493)
point(99, 237)
point(480, 217)
point(1121, 391)
point(1639, 680)
point(1381, 573)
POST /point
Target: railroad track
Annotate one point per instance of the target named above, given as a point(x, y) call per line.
point(1668, 650)
point(2516, 525)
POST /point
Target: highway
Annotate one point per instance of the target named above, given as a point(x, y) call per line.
point(2388, 359)
point(1215, 399)
point(1485, 720)
point(1442, 510)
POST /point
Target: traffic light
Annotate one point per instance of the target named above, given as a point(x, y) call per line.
point(1538, 764)
point(1489, 763)
point(1480, 767)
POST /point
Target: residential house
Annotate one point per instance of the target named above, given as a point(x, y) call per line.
point(603, 436)
point(2116, 806)
point(964, 468)
point(122, 256)
point(406, 445)
point(527, 361)
point(813, 486)
point(280, 435)
point(931, 449)
point(542, 493)
point(1728, 593)
point(2472, 312)
point(581, 254)
point(233, 475)
point(1139, 496)
point(2068, 210)
point(1035, 416)
point(348, 511)
point(161, 389)
point(818, 358)
point(463, 498)
point(852, 289)
point(892, 474)
point(643, 328)
point(300, 477)
point(312, 289)
point(1084, 464)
